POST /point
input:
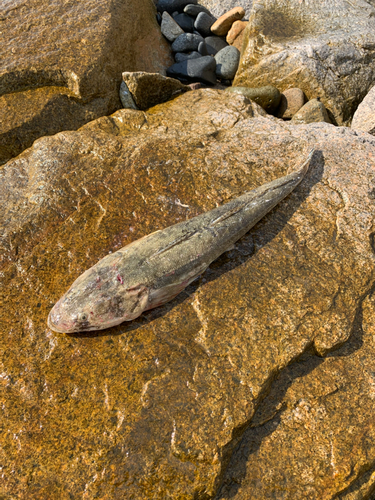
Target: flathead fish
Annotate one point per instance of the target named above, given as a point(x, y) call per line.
point(157, 267)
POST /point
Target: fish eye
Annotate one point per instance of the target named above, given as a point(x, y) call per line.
point(82, 317)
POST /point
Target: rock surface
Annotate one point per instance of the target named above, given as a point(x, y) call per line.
point(220, 7)
point(291, 101)
point(313, 405)
point(203, 23)
point(185, 22)
point(149, 89)
point(169, 27)
point(267, 97)
point(364, 117)
point(214, 44)
point(194, 10)
point(187, 42)
point(172, 6)
point(235, 31)
point(227, 60)
point(200, 69)
point(154, 408)
point(65, 69)
point(183, 56)
point(312, 111)
point(224, 23)
point(126, 97)
point(331, 57)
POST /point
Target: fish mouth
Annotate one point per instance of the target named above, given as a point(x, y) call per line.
point(51, 324)
point(54, 325)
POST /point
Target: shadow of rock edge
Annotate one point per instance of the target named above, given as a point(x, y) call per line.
point(330, 57)
point(153, 408)
point(80, 49)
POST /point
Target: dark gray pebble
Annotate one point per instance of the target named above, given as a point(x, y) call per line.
point(183, 56)
point(202, 49)
point(194, 10)
point(227, 60)
point(203, 23)
point(169, 28)
point(185, 22)
point(186, 42)
point(173, 5)
point(198, 70)
point(158, 18)
point(214, 44)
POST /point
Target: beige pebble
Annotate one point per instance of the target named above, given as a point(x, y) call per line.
point(224, 23)
point(292, 101)
point(312, 111)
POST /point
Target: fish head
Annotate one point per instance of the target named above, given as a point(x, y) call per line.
point(100, 298)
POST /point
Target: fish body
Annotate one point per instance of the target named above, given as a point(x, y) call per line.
point(157, 267)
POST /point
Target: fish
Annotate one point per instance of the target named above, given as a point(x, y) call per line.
point(154, 269)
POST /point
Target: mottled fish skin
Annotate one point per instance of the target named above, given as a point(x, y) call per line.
point(157, 267)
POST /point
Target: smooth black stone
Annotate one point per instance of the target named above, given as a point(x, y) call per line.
point(186, 42)
point(202, 49)
point(182, 56)
point(194, 10)
point(185, 22)
point(195, 70)
point(158, 18)
point(214, 44)
point(172, 5)
point(203, 23)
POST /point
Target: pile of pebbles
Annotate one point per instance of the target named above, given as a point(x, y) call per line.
point(198, 41)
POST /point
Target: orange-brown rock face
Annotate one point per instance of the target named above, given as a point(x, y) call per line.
point(329, 57)
point(78, 48)
point(154, 408)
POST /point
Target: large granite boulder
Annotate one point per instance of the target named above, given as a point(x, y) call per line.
point(329, 56)
point(302, 443)
point(364, 117)
point(61, 63)
point(154, 408)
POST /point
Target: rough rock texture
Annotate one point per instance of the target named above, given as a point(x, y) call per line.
point(220, 7)
point(313, 405)
point(224, 23)
point(61, 63)
point(149, 89)
point(312, 111)
point(364, 117)
point(154, 408)
point(291, 101)
point(331, 56)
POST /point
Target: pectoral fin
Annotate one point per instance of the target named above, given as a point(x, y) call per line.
point(137, 301)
